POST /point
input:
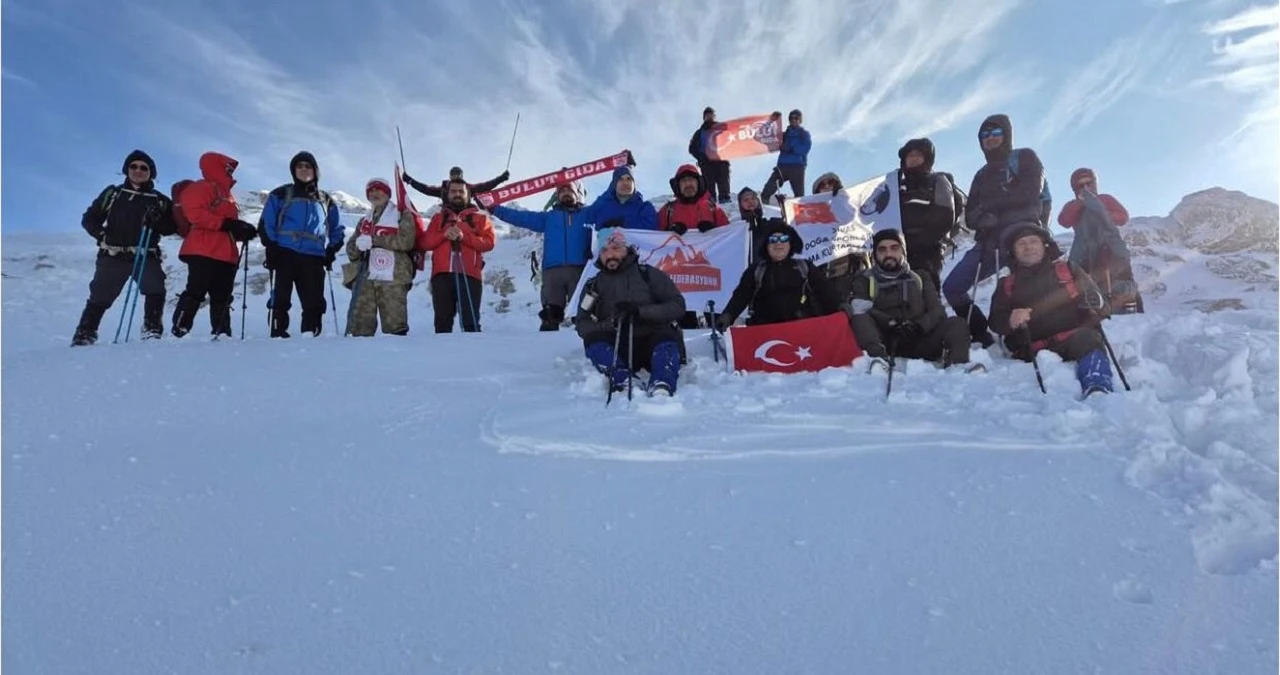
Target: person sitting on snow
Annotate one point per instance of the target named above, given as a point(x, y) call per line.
point(1098, 247)
point(381, 253)
point(692, 207)
point(566, 247)
point(1047, 303)
point(626, 319)
point(622, 205)
point(895, 311)
point(779, 287)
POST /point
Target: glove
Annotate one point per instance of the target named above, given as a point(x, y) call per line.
point(723, 322)
point(986, 222)
point(1019, 346)
point(271, 255)
point(706, 226)
point(612, 222)
point(505, 176)
point(679, 228)
point(246, 232)
point(330, 255)
point(407, 178)
point(906, 331)
point(364, 242)
point(626, 310)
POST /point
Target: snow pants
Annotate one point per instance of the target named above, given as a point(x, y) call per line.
point(214, 278)
point(451, 291)
point(784, 173)
point(388, 300)
point(307, 273)
point(654, 349)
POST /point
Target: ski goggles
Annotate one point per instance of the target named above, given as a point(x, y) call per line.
point(779, 238)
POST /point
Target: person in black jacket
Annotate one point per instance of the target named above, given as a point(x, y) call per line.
point(116, 220)
point(752, 212)
point(1000, 199)
point(779, 287)
point(455, 173)
point(714, 171)
point(930, 206)
point(896, 312)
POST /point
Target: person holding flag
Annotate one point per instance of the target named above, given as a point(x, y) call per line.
point(381, 268)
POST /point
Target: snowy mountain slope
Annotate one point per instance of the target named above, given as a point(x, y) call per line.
point(465, 503)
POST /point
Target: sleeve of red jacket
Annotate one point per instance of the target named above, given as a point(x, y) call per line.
point(431, 238)
point(721, 217)
point(1071, 213)
point(1119, 215)
point(480, 238)
point(197, 206)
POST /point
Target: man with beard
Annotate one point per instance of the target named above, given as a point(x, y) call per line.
point(929, 203)
point(458, 236)
point(566, 247)
point(302, 232)
point(692, 207)
point(716, 171)
point(116, 220)
point(626, 319)
point(896, 312)
point(1008, 192)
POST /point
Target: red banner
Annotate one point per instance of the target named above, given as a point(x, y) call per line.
point(805, 345)
point(403, 203)
point(531, 186)
point(743, 137)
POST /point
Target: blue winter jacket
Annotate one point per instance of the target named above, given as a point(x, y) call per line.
point(566, 240)
point(635, 213)
point(304, 227)
point(795, 146)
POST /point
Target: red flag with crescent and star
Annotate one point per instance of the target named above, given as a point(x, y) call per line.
point(804, 345)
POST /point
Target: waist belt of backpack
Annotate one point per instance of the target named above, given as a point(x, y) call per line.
point(117, 250)
point(305, 235)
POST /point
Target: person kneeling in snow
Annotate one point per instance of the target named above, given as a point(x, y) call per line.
point(891, 303)
point(381, 264)
point(779, 287)
point(1047, 303)
point(640, 301)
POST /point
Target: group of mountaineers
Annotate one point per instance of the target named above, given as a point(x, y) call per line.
point(892, 294)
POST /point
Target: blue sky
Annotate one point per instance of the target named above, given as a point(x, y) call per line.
point(1160, 97)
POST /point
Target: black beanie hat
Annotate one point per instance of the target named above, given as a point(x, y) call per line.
point(138, 155)
point(889, 235)
point(307, 157)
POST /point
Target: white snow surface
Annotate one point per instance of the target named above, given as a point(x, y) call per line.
point(467, 504)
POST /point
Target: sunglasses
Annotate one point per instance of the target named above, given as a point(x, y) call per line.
point(140, 167)
point(779, 239)
point(988, 133)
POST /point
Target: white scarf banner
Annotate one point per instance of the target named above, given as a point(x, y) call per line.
point(382, 262)
point(833, 226)
point(704, 265)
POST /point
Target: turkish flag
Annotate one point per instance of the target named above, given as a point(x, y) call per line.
point(403, 203)
point(805, 345)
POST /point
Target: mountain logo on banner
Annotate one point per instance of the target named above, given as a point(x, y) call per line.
point(801, 353)
point(687, 266)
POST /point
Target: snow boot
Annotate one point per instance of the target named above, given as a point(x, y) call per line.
point(1093, 370)
point(87, 330)
point(659, 389)
point(979, 329)
point(664, 366)
point(551, 316)
point(184, 315)
point(312, 322)
point(152, 317)
point(220, 318)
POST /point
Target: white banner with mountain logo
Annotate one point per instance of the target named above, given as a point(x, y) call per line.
point(835, 225)
point(704, 266)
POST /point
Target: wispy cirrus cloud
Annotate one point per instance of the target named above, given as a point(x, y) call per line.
point(588, 78)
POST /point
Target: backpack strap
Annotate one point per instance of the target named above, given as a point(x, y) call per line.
point(1068, 280)
point(288, 199)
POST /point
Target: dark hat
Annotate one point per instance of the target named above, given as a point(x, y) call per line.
point(775, 226)
point(455, 171)
point(923, 146)
point(795, 113)
point(889, 235)
point(301, 157)
point(1011, 237)
point(1080, 175)
point(708, 109)
point(138, 155)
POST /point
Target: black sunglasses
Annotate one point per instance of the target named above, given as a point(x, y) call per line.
point(140, 167)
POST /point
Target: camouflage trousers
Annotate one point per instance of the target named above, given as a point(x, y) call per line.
point(388, 300)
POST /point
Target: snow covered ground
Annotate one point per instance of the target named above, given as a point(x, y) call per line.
point(466, 503)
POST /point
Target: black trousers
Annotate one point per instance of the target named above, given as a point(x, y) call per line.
point(716, 176)
point(445, 288)
point(784, 173)
point(206, 276)
point(306, 272)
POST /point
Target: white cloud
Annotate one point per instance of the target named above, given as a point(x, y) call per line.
point(626, 73)
point(16, 78)
point(1246, 64)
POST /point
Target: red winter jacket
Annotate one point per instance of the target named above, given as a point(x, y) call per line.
point(690, 212)
point(206, 203)
point(1071, 212)
point(477, 239)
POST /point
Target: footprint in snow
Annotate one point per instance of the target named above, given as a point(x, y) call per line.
point(1132, 591)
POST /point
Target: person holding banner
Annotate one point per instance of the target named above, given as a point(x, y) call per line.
point(716, 171)
point(692, 207)
point(779, 286)
point(626, 319)
point(566, 247)
point(622, 205)
point(380, 270)
point(793, 157)
point(455, 173)
point(841, 271)
point(458, 237)
point(896, 312)
point(752, 213)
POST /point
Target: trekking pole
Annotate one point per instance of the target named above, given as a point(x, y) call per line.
point(462, 285)
point(1112, 354)
point(631, 355)
point(1026, 334)
point(244, 294)
point(893, 363)
point(135, 279)
point(333, 300)
point(271, 300)
point(128, 293)
point(715, 332)
point(613, 368)
point(512, 149)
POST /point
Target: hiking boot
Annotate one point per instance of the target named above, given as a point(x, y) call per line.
point(659, 389)
point(152, 317)
point(84, 337)
point(220, 319)
point(87, 330)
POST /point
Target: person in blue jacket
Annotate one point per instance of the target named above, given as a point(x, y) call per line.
point(622, 205)
point(566, 248)
point(793, 157)
point(302, 232)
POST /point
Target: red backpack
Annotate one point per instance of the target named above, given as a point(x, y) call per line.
point(180, 218)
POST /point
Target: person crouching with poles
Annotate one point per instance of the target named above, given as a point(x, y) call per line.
point(627, 319)
point(381, 270)
point(1047, 303)
point(458, 237)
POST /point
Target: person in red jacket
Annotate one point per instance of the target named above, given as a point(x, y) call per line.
point(210, 249)
point(458, 237)
point(692, 207)
point(1097, 246)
